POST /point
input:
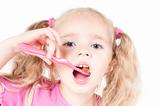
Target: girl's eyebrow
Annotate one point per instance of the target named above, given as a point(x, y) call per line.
point(68, 35)
point(96, 36)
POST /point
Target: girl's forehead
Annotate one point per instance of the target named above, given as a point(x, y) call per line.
point(82, 21)
point(82, 16)
point(83, 24)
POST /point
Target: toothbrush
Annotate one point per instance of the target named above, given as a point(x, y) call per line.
point(40, 53)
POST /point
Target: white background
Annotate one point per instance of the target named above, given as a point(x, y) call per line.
point(139, 18)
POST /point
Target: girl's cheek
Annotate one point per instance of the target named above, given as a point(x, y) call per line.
point(65, 52)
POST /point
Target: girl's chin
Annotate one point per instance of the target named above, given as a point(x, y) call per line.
point(83, 90)
point(82, 85)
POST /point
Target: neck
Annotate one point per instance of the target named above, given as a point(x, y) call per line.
point(87, 99)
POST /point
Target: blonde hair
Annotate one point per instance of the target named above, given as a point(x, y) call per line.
point(27, 68)
point(121, 79)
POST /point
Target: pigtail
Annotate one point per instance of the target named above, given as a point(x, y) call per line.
point(122, 77)
point(27, 68)
point(38, 25)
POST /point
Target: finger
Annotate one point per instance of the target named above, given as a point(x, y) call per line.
point(42, 39)
point(44, 34)
point(58, 53)
point(51, 34)
point(50, 48)
point(48, 33)
point(56, 36)
point(34, 35)
point(40, 34)
point(46, 60)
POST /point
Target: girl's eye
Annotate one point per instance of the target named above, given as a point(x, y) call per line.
point(69, 44)
point(97, 46)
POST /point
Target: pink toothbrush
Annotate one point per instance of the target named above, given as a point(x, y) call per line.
point(40, 53)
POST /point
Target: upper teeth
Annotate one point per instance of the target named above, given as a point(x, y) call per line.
point(83, 66)
point(80, 66)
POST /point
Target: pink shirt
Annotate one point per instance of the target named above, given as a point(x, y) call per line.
point(41, 97)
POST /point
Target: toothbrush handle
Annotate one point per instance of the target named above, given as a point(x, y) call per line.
point(31, 50)
point(40, 53)
point(34, 51)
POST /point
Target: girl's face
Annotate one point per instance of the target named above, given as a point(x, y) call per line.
point(85, 41)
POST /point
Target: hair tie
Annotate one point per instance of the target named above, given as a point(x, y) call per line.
point(51, 22)
point(118, 35)
point(118, 32)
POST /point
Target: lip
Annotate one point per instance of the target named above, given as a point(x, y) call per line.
point(81, 82)
point(82, 63)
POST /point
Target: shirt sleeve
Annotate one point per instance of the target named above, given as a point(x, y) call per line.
point(11, 94)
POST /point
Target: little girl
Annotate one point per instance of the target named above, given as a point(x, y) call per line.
point(90, 42)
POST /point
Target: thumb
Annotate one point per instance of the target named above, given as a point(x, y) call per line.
point(58, 52)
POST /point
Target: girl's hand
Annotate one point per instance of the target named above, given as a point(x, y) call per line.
point(37, 38)
point(47, 37)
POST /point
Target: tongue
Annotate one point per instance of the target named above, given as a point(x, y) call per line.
point(79, 75)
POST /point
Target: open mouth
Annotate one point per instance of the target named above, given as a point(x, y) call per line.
point(82, 73)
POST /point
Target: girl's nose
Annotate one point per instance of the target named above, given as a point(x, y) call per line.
point(84, 53)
